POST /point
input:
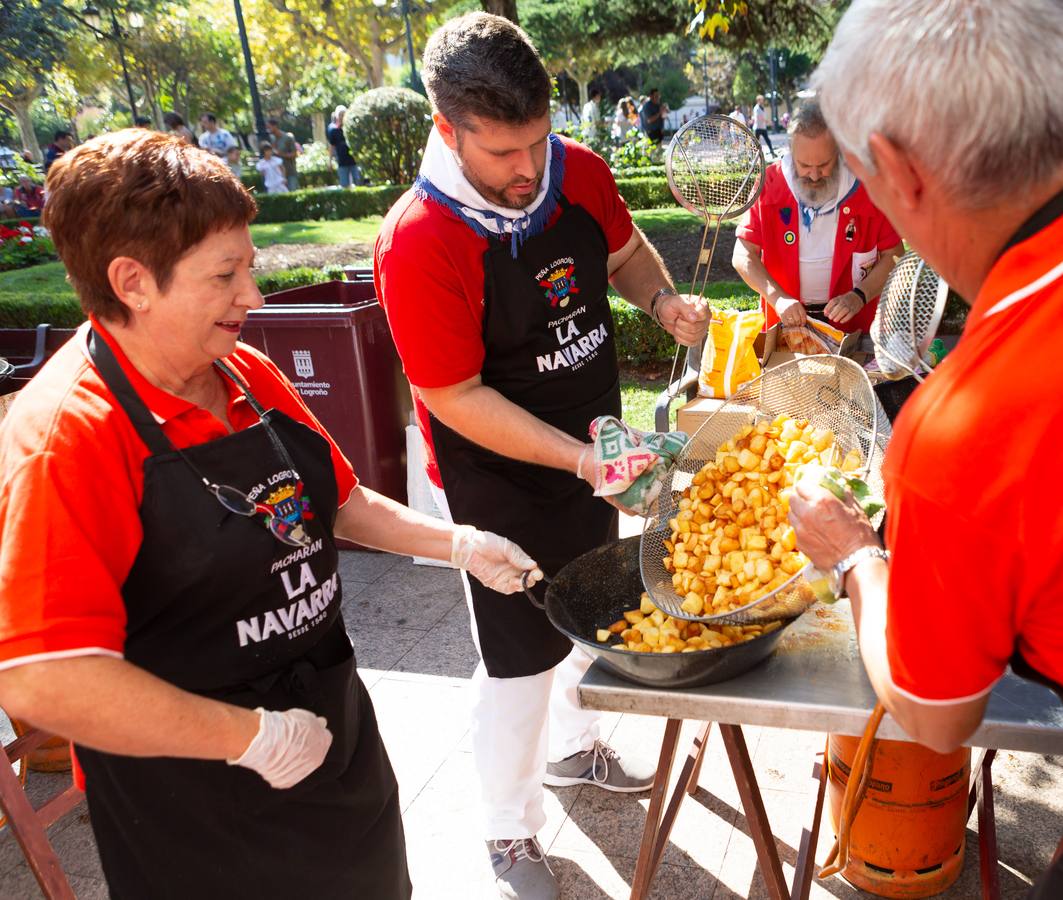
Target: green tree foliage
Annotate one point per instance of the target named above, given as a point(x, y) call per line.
point(805, 24)
point(33, 37)
point(386, 129)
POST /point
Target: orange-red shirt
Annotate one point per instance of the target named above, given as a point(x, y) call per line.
point(71, 482)
point(975, 523)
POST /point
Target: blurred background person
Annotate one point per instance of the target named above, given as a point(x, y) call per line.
point(177, 127)
point(346, 166)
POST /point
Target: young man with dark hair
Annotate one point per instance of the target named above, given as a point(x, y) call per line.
point(285, 146)
point(216, 140)
point(494, 271)
point(61, 143)
point(651, 116)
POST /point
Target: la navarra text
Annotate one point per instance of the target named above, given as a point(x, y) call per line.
point(575, 349)
point(308, 606)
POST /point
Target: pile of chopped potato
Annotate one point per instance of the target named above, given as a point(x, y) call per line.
point(648, 630)
point(731, 543)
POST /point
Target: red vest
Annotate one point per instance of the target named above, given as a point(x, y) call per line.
point(774, 224)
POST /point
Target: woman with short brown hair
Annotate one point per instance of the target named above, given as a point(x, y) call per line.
point(169, 593)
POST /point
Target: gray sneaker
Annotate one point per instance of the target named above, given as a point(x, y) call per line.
point(521, 870)
point(601, 767)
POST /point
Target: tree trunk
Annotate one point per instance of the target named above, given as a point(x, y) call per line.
point(317, 124)
point(505, 8)
point(19, 107)
point(584, 93)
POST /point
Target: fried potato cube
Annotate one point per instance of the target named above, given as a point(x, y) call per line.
point(652, 636)
point(646, 606)
point(792, 563)
point(693, 604)
point(602, 635)
point(634, 616)
point(854, 460)
point(628, 635)
point(748, 460)
point(788, 539)
point(657, 617)
point(765, 571)
point(618, 626)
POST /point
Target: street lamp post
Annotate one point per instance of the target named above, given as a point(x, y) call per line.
point(415, 79)
point(91, 17)
point(256, 103)
point(705, 75)
point(405, 8)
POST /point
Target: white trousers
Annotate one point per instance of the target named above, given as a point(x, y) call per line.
point(517, 725)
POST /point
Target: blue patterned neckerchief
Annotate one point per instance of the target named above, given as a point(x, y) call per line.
point(491, 224)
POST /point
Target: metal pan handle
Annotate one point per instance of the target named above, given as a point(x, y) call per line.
point(527, 590)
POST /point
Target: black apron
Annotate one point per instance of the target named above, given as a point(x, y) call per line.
point(218, 606)
point(549, 348)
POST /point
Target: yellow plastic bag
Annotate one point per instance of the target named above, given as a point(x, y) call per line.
point(729, 360)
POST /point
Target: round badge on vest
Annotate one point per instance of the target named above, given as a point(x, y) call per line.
point(789, 237)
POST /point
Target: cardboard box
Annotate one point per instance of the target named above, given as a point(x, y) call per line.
point(692, 416)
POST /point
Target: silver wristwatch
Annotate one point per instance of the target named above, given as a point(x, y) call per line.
point(836, 578)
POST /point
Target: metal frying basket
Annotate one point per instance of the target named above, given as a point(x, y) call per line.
point(831, 392)
point(909, 313)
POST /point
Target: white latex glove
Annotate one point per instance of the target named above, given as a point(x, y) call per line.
point(495, 561)
point(288, 747)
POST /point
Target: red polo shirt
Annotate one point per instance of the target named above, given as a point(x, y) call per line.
point(773, 223)
point(975, 528)
point(71, 483)
point(429, 272)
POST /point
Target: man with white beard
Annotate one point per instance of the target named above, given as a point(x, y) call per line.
point(814, 243)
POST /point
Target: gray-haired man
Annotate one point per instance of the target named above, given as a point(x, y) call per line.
point(977, 189)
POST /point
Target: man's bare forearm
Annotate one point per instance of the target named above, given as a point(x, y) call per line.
point(875, 280)
point(485, 417)
point(941, 728)
point(750, 267)
point(641, 275)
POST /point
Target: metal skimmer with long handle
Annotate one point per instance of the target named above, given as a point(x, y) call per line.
point(909, 313)
point(830, 392)
point(715, 168)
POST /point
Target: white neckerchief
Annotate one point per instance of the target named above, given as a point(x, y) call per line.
point(441, 166)
point(806, 213)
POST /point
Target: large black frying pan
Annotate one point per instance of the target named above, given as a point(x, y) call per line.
point(594, 590)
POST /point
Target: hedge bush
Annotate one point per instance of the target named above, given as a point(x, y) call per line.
point(641, 341)
point(307, 179)
point(327, 203)
point(29, 309)
point(387, 129)
point(354, 203)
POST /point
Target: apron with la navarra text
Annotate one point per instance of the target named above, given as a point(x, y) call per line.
point(218, 606)
point(549, 348)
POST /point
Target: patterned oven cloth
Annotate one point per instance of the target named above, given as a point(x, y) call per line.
point(632, 464)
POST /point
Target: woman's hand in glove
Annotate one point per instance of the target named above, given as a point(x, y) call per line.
point(498, 563)
point(288, 747)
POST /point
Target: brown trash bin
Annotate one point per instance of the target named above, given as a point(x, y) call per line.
point(332, 340)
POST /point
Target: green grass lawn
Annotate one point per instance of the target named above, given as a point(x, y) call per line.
point(316, 232)
point(50, 277)
point(47, 278)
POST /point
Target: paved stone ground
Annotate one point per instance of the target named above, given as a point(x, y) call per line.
point(411, 633)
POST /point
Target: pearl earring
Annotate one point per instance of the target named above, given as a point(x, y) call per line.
point(140, 306)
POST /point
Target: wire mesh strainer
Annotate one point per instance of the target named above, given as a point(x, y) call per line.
point(715, 166)
point(909, 313)
point(831, 392)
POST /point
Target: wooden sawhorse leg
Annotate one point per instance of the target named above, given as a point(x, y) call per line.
point(659, 820)
point(981, 796)
point(29, 825)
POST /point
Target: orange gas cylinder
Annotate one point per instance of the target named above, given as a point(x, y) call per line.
point(909, 834)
